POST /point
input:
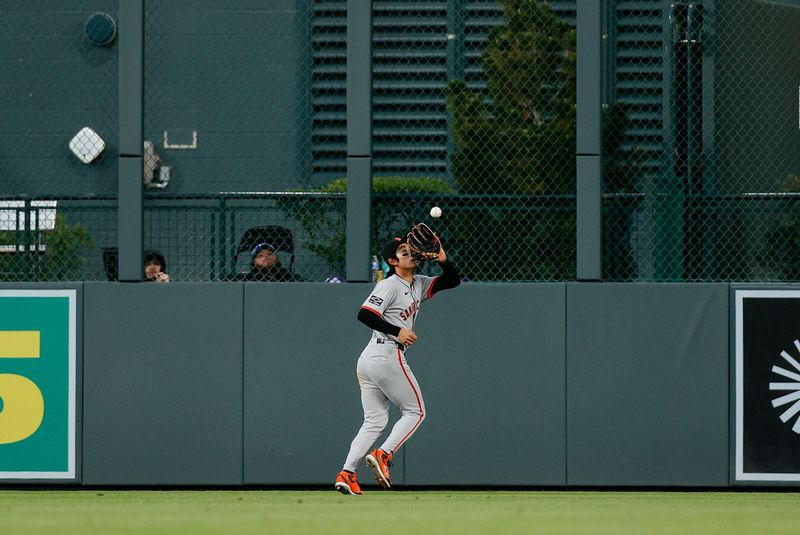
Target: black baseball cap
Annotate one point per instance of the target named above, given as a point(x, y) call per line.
point(390, 249)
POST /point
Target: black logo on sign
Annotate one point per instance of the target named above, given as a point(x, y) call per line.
point(375, 300)
point(793, 397)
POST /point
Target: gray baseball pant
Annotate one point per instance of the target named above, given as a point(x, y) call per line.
point(384, 376)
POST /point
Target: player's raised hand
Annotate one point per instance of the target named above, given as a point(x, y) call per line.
point(442, 257)
point(407, 337)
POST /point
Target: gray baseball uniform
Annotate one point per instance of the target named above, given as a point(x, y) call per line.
point(382, 370)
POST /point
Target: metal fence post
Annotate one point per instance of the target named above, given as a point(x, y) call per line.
point(456, 57)
point(359, 138)
point(589, 122)
point(131, 125)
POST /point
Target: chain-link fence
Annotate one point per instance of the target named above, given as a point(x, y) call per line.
point(701, 141)
point(478, 98)
point(473, 110)
point(235, 133)
point(58, 139)
point(228, 127)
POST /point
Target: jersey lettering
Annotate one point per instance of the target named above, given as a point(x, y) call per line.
point(407, 313)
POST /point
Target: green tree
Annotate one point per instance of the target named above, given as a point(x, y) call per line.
point(517, 141)
point(522, 140)
point(63, 258)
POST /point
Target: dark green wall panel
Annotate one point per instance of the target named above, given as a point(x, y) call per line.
point(162, 384)
point(490, 363)
point(234, 72)
point(647, 384)
point(55, 84)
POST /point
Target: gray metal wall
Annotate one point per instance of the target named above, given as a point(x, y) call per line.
point(525, 384)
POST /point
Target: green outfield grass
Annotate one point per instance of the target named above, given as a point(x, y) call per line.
point(401, 512)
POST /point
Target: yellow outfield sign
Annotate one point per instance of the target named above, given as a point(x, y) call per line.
point(38, 384)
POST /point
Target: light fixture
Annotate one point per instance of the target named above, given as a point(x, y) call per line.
point(87, 145)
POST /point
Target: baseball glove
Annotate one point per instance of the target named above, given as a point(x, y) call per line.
point(424, 243)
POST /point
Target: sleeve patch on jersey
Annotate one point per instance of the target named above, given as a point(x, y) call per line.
point(375, 300)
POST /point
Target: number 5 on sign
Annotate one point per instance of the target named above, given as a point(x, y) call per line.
point(22, 407)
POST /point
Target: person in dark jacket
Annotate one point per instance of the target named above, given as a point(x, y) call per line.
point(265, 266)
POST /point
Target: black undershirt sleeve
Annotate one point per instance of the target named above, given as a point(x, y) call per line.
point(448, 279)
point(373, 321)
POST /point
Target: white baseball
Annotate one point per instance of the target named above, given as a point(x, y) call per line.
point(436, 212)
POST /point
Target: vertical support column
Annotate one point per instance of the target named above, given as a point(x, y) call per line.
point(668, 187)
point(359, 138)
point(589, 141)
point(131, 127)
point(456, 59)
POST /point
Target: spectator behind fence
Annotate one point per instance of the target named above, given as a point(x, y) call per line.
point(155, 267)
point(265, 266)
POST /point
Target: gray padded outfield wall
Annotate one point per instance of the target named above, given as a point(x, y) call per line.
point(243, 383)
point(488, 379)
point(162, 384)
point(490, 361)
point(301, 398)
point(647, 384)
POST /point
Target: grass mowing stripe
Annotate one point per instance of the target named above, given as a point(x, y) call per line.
point(399, 512)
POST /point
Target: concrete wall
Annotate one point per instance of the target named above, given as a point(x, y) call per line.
point(525, 384)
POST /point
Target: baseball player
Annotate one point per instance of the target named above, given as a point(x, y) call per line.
point(383, 372)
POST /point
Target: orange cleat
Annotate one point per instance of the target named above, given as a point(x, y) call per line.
point(347, 483)
point(380, 461)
